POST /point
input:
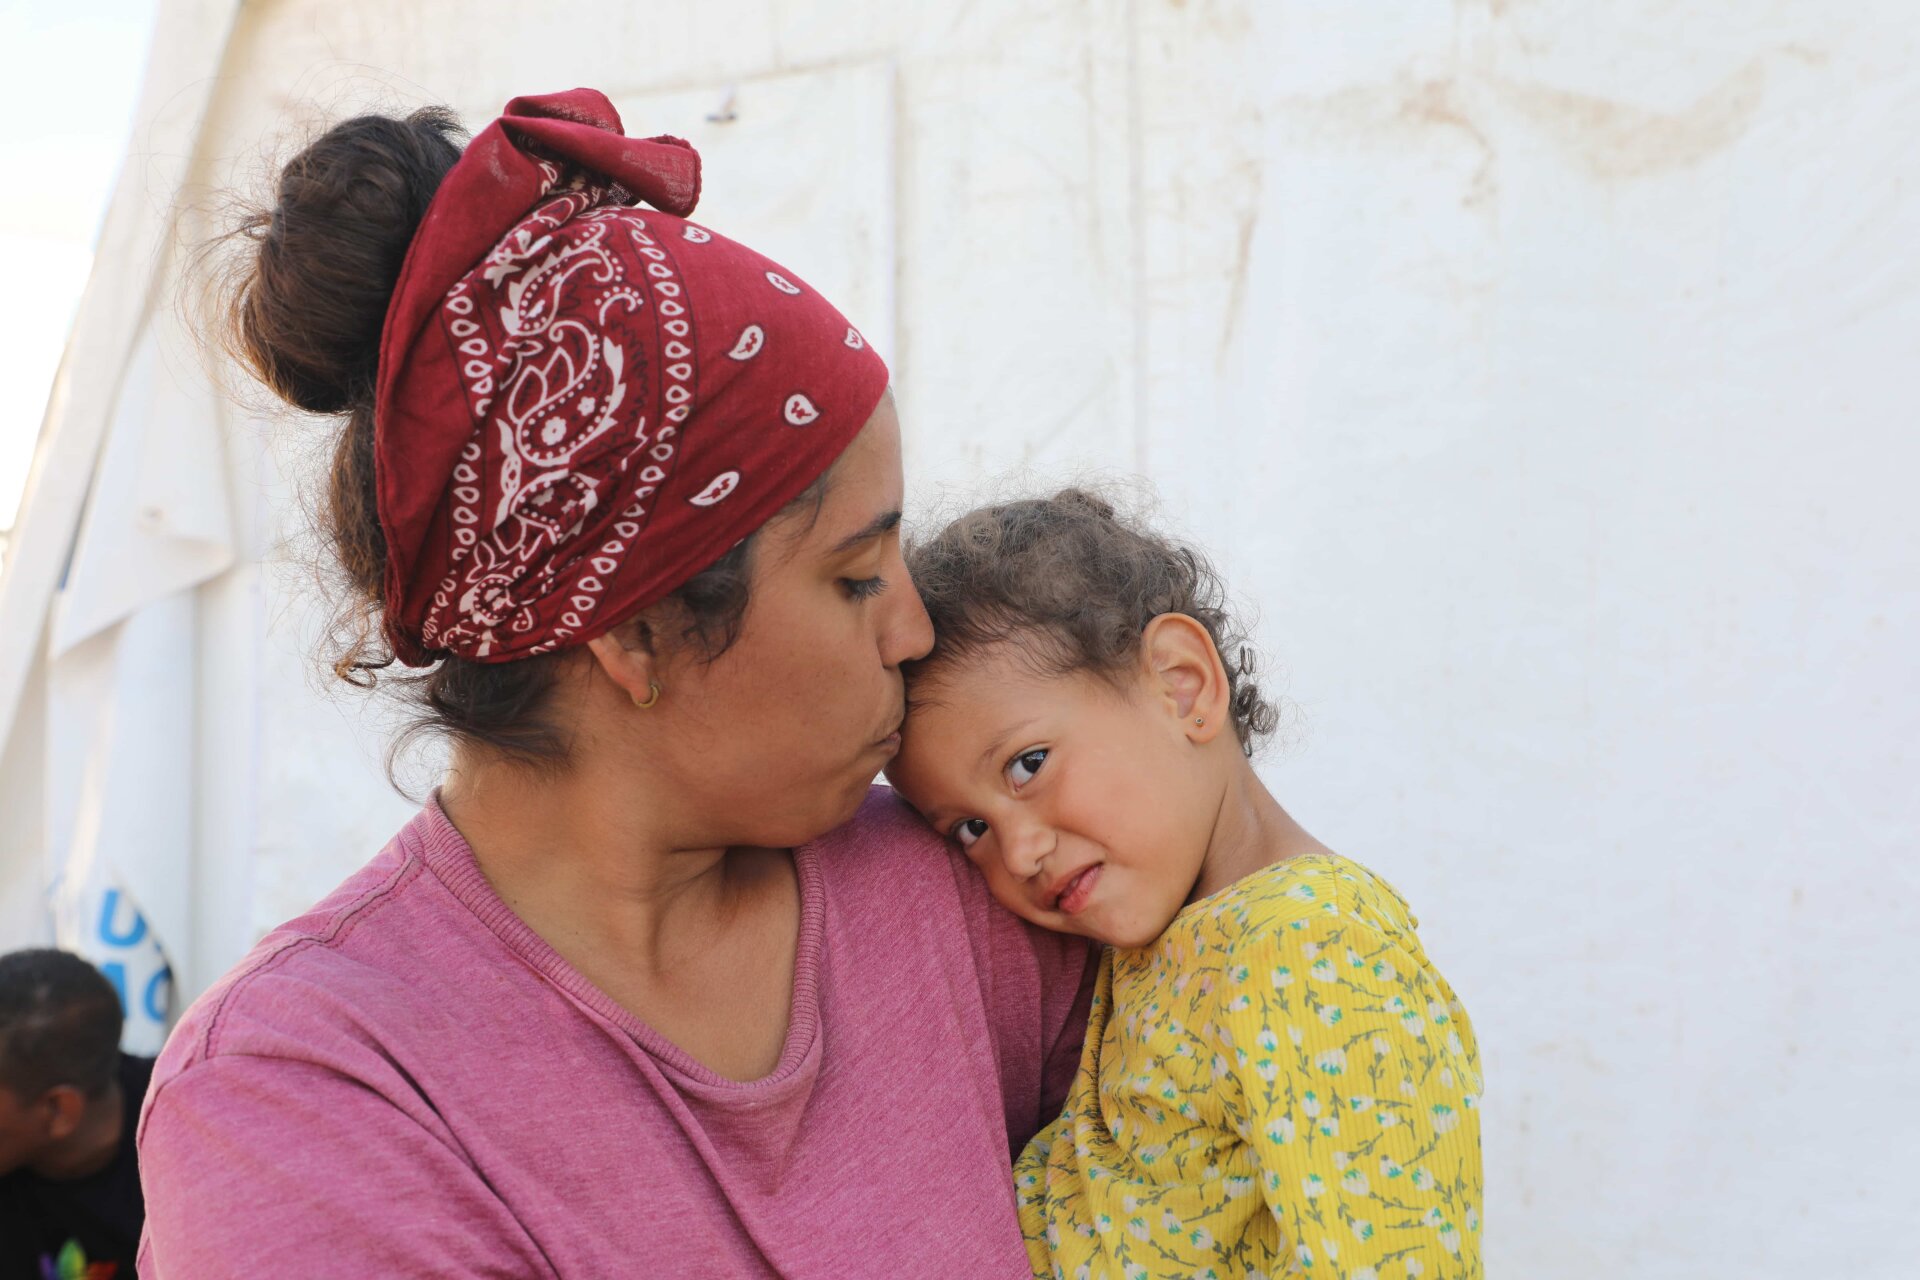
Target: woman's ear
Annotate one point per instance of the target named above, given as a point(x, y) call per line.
point(1184, 672)
point(625, 656)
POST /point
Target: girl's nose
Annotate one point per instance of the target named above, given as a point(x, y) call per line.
point(1027, 846)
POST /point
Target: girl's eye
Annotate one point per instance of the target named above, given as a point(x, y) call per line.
point(864, 588)
point(1025, 765)
point(967, 830)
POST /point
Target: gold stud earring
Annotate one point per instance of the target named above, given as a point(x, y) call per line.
point(653, 696)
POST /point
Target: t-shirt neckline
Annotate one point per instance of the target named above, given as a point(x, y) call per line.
point(451, 859)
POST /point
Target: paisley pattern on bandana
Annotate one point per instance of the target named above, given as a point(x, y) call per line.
point(582, 402)
point(563, 343)
point(1281, 1085)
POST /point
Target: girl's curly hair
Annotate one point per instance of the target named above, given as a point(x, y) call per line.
point(1076, 584)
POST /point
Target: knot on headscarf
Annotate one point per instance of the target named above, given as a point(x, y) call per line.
point(581, 402)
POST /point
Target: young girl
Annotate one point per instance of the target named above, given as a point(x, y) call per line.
point(1276, 1080)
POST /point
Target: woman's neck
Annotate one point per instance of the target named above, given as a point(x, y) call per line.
point(589, 862)
point(698, 943)
point(1250, 831)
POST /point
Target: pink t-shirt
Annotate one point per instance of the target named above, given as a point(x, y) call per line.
point(406, 1081)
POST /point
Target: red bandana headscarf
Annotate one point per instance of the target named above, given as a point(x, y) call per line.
point(581, 403)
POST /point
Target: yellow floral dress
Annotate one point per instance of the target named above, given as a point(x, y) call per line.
point(1281, 1085)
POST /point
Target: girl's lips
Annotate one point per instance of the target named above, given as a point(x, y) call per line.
point(1078, 890)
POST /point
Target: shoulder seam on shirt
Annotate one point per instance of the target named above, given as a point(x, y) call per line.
point(1340, 896)
point(1398, 916)
point(229, 1056)
point(336, 930)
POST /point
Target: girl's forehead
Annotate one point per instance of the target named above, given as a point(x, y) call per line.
point(962, 707)
point(1019, 667)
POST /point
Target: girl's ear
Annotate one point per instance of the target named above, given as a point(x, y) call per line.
point(1184, 673)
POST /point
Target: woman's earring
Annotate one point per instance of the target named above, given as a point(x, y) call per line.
point(1200, 721)
point(653, 695)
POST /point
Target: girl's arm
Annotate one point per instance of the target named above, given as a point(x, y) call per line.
point(1359, 1098)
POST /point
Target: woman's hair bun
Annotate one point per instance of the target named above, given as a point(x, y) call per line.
point(308, 311)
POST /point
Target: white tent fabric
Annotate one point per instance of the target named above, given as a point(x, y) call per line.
point(131, 264)
point(121, 524)
point(120, 771)
point(121, 673)
point(1542, 371)
point(154, 526)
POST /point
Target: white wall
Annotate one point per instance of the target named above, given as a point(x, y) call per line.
point(1545, 374)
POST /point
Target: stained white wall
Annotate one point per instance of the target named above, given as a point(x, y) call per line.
point(1543, 372)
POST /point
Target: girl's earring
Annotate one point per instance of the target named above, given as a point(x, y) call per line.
point(1200, 721)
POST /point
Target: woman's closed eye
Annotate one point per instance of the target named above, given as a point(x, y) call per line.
point(864, 588)
point(1022, 768)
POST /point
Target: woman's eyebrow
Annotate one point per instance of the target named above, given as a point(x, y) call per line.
point(883, 523)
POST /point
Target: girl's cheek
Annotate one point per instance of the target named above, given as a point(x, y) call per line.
point(1008, 895)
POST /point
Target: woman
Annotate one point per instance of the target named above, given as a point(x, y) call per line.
point(655, 985)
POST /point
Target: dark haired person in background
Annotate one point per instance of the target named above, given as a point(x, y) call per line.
point(70, 1202)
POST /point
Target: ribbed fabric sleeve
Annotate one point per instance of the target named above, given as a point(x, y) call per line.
point(1357, 1096)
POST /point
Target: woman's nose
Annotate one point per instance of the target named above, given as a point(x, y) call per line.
point(909, 633)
